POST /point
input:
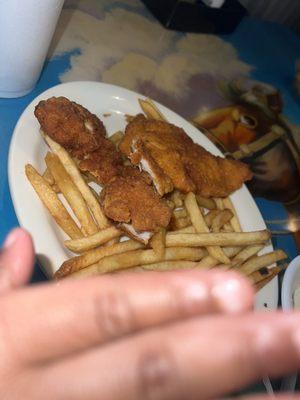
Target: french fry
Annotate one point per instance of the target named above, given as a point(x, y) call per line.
point(55, 188)
point(217, 239)
point(200, 226)
point(90, 242)
point(133, 269)
point(263, 273)
point(166, 266)
point(117, 137)
point(206, 203)
point(221, 219)
point(48, 177)
point(177, 198)
point(94, 193)
point(112, 241)
point(115, 239)
point(52, 203)
point(188, 229)
point(179, 213)
point(71, 194)
point(235, 223)
point(87, 177)
point(220, 206)
point(150, 110)
point(219, 203)
point(170, 204)
point(158, 243)
point(257, 262)
point(79, 181)
point(245, 254)
point(209, 262)
point(263, 283)
point(226, 228)
point(180, 223)
point(210, 216)
point(93, 256)
point(139, 257)
point(207, 231)
point(273, 272)
point(195, 213)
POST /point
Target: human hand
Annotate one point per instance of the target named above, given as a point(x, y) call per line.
point(182, 335)
point(16, 260)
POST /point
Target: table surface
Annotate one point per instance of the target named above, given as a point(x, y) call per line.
point(120, 42)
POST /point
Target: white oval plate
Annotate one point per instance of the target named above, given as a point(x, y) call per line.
point(27, 146)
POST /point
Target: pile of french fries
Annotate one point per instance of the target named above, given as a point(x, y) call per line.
point(203, 233)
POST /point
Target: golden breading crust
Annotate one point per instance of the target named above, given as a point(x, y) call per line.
point(142, 157)
point(128, 196)
point(104, 163)
point(132, 200)
point(71, 125)
point(82, 134)
point(189, 166)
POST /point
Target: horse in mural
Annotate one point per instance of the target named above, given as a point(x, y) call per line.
point(253, 130)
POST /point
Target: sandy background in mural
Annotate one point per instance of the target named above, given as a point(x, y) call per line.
point(124, 45)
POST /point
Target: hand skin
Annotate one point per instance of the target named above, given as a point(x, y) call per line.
point(153, 336)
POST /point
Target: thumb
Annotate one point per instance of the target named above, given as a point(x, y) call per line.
point(16, 260)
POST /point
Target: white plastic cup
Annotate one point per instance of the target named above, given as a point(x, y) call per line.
point(26, 30)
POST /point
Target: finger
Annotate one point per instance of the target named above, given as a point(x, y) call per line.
point(285, 396)
point(55, 320)
point(16, 260)
point(195, 359)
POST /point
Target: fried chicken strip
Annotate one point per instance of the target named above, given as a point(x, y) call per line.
point(128, 197)
point(82, 134)
point(172, 153)
point(71, 125)
point(131, 200)
point(142, 157)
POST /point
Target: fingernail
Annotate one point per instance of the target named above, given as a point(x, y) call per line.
point(194, 296)
point(11, 238)
point(228, 295)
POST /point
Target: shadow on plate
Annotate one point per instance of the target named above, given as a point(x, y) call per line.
point(38, 274)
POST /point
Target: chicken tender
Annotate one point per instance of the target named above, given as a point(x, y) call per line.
point(189, 166)
point(82, 134)
point(70, 125)
point(131, 200)
point(102, 164)
point(142, 157)
point(128, 197)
